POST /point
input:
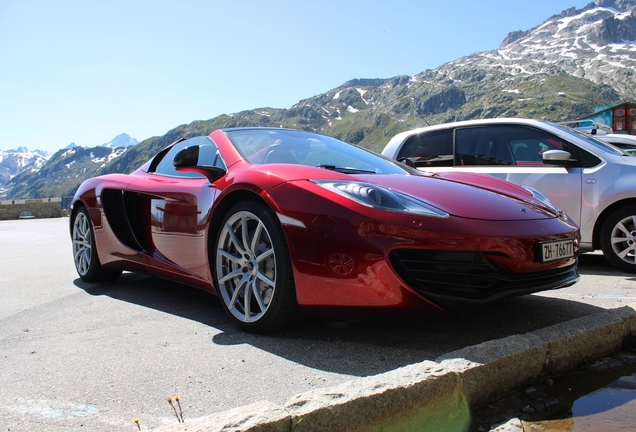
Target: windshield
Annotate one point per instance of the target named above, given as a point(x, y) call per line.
point(601, 145)
point(265, 146)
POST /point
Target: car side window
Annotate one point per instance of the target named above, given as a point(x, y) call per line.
point(484, 146)
point(208, 155)
point(429, 149)
point(511, 145)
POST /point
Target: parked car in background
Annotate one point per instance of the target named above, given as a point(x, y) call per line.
point(623, 141)
point(593, 181)
point(276, 220)
point(589, 126)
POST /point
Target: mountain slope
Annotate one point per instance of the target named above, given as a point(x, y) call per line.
point(62, 173)
point(12, 162)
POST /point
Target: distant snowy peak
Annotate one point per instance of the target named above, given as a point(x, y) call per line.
point(24, 151)
point(12, 162)
point(597, 43)
point(24, 154)
point(74, 155)
point(21, 149)
point(121, 140)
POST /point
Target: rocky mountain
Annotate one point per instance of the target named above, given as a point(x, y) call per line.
point(13, 162)
point(121, 140)
point(61, 172)
point(558, 70)
point(597, 43)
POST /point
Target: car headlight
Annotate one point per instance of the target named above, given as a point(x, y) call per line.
point(538, 195)
point(380, 198)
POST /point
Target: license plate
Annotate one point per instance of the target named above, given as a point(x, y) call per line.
point(556, 250)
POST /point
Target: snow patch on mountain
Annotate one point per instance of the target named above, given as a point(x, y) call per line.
point(14, 161)
point(118, 151)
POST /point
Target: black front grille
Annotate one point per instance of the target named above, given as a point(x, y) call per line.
point(470, 276)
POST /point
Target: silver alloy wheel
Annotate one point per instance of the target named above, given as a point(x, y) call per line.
point(623, 239)
point(82, 243)
point(246, 267)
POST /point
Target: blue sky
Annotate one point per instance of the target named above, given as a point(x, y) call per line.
point(85, 71)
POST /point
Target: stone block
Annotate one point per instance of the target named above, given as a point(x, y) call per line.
point(258, 417)
point(628, 315)
point(496, 367)
point(582, 339)
point(403, 395)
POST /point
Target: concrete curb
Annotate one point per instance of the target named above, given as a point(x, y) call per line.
point(440, 391)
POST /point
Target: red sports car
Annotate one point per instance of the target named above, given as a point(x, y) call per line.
point(280, 221)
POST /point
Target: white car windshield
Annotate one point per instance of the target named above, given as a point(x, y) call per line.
point(601, 145)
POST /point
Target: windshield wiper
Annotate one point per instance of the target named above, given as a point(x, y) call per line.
point(344, 170)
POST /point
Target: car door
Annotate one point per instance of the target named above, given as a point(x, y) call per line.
point(180, 203)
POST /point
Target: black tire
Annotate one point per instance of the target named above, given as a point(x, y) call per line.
point(85, 256)
point(618, 239)
point(252, 270)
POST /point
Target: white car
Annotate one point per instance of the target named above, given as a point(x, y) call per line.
point(592, 181)
point(624, 141)
point(589, 126)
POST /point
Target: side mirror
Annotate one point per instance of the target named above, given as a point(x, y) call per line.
point(408, 162)
point(556, 157)
point(187, 159)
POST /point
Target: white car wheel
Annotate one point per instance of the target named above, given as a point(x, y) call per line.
point(618, 239)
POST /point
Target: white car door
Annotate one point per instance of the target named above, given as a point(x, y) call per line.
point(510, 152)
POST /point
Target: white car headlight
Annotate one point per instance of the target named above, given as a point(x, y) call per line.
point(380, 198)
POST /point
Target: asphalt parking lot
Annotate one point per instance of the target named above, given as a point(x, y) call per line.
point(98, 356)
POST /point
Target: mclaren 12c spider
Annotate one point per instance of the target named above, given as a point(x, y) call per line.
point(278, 222)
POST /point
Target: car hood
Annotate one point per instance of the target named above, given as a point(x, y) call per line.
point(473, 197)
point(465, 195)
